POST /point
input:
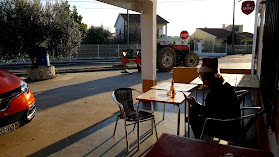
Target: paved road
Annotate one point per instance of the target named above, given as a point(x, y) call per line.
point(22, 66)
point(82, 65)
point(72, 103)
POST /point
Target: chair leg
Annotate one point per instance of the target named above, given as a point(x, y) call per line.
point(127, 145)
point(153, 117)
point(155, 127)
point(115, 125)
point(164, 111)
point(134, 126)
point(152, 127)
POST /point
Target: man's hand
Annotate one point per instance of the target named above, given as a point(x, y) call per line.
point(191, 100)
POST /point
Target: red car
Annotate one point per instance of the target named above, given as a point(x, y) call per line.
point(17, 103)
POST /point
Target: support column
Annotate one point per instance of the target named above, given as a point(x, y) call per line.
point(148, 45)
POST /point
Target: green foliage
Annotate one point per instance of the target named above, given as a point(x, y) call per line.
point(97, 35)
point(65, 35)
point(134, 34)
point(78, 19)
point(236, 39)
point(27, 24)
point(191, 42)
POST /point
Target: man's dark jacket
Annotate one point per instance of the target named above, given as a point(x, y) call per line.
point(221, 102)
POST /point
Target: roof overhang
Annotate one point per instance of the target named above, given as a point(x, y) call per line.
point(134, 5)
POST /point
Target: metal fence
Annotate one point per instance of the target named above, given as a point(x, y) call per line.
point(91, 51)
point(227, 48)
point(95, 51)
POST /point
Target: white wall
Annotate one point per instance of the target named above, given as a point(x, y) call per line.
point(119, 27)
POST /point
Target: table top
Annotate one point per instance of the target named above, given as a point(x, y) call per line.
point(171, 145)
point(162, 96)
point(178, 86)
point(241, 81)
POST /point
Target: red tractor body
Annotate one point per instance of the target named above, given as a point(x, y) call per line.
point(168, 56)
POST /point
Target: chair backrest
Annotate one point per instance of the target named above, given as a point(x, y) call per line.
point(242, 133)
point(241, 95)
point(124, 98)
point(252, 120)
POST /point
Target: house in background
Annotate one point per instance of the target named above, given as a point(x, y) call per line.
point(219, 35)
point(134, 26)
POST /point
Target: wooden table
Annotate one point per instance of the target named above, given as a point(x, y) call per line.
point(173, 146)
point(238, 81)
point(179, 87)
point(161, 96)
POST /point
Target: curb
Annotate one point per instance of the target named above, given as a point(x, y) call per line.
point(62, 71)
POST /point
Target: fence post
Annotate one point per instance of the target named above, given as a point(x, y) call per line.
point(98, 51)
point(118, 50)
point(226, 50)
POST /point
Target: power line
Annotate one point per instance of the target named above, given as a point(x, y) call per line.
point(72, 1)
point(97, 8)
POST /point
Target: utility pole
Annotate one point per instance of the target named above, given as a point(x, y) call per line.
point(233, 27)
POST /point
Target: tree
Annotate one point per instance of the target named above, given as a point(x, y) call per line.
point(97, 35)
point(22, 30)
point(134, 34)
point(236, 39)
point(65, 35)
point(78, 19)
point(27, 25)
point(191, 42)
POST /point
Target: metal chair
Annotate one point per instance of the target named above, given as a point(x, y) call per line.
point(238, 136)
point(124, 98)
point(241, 96)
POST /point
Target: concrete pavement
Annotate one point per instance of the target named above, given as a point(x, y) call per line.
point(76, 115)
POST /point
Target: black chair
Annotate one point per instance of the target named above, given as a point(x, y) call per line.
point(124, 98)
point(238, 134)
point(241, 96)
point(238, 137)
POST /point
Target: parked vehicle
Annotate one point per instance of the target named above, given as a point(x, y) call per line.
point(168, 56)
point(17, 103)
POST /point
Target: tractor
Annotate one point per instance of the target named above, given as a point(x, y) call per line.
point(168, 56)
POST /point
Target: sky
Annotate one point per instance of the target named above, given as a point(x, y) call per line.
point(181, 14)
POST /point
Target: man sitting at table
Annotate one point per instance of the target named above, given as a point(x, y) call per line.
point(221, 103)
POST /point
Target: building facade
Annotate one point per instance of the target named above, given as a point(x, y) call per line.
point(121, 27)
point(220, 35)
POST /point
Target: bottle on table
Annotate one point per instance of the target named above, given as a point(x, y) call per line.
point(172, 90)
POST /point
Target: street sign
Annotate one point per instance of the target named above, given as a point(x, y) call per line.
point(184, 35)
point(248, 7)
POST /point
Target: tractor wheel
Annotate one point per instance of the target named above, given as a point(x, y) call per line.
point(191, 60)
point(166, 59)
